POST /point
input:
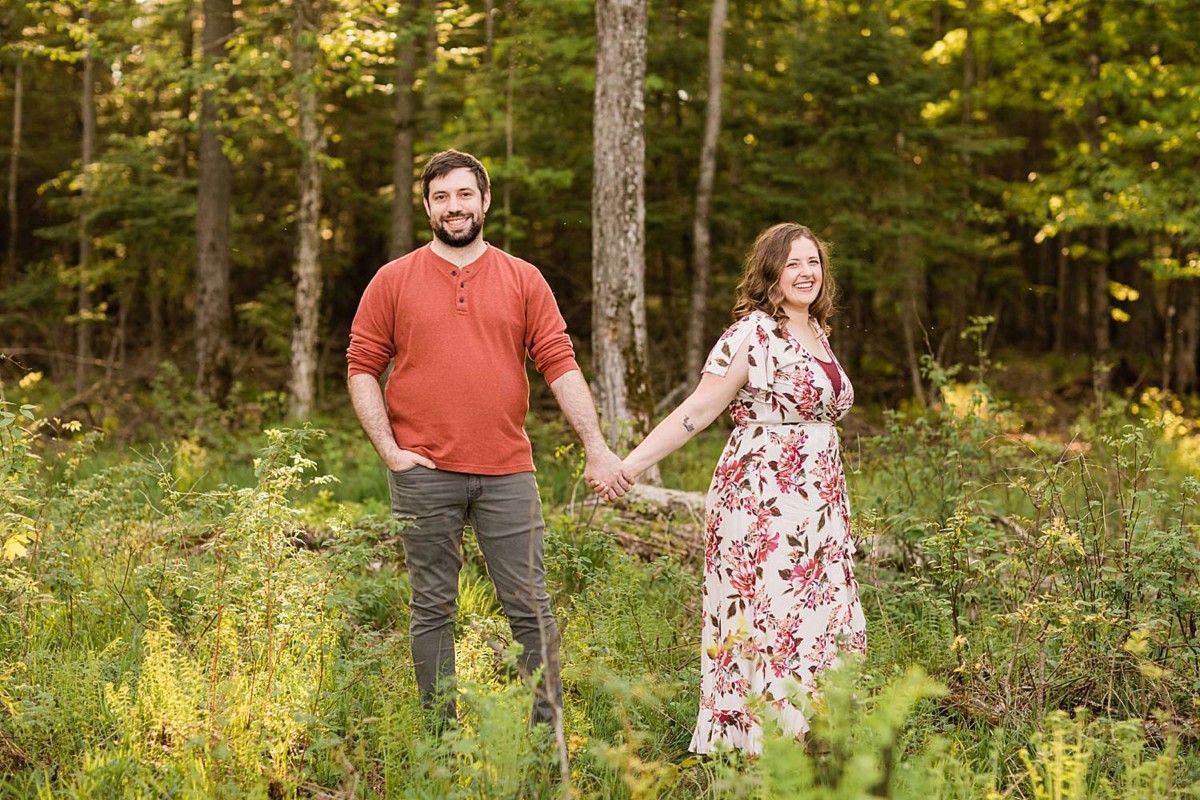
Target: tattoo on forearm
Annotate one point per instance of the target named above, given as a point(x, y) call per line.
point(687, 424)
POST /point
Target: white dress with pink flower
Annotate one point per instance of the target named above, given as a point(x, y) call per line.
point(780, 598)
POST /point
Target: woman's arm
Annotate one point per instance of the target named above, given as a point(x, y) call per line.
point(710, 398)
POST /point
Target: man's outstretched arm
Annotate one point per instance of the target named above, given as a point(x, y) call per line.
point(603, 465)
point(369, 405)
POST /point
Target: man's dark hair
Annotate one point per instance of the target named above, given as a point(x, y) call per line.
point(449, 160)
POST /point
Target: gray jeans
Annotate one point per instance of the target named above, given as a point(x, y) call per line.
point(506, 514)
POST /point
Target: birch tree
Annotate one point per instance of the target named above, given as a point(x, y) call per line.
point(619, 223)
point(307, 271)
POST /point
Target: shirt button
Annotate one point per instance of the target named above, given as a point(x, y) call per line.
point(462, 286)
point(462, 299)
point(454, 272)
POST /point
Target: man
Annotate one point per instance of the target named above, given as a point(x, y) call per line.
point(459, 317)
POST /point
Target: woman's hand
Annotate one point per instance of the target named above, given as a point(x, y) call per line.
point(630, 471)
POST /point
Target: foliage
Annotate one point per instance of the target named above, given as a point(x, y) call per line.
point(164, 632)
point(1063, 573)
point(962, 156)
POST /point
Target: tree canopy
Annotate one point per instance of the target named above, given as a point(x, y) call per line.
point(1035, 162)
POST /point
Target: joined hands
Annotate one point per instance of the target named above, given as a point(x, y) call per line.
point(606, 475)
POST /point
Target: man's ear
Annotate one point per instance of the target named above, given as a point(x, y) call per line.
point(425, 200)
point(487, 200)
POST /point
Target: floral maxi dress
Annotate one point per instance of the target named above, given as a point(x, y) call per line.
point(780, 598)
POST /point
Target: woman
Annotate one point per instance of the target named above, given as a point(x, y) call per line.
point(780, 599)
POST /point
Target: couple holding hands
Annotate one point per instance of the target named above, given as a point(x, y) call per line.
point(459, 318)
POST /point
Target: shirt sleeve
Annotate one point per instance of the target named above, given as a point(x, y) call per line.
point(546, 337)
point(371, 333)
point(747, 330)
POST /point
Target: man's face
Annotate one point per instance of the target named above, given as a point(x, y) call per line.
point(456, 208)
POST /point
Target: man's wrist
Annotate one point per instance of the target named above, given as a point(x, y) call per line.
point(595, 447)
point(388, 455)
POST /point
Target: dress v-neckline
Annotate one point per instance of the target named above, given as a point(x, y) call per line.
point(799, 345)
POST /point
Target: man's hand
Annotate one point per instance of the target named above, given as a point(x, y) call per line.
point(372, 412)
point(401, 460)
point(605, 476)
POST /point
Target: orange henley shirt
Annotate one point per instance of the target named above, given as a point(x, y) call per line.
point(458, 392)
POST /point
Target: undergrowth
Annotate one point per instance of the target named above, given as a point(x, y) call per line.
point(187, 620)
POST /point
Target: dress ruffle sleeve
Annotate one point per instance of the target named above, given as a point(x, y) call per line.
point(747, 329)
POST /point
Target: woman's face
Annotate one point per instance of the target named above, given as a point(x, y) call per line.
point(800, 281)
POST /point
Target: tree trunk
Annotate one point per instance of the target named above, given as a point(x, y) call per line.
point(912, 307)
point(1188, 328)
point(117, 347)
point(701, 233)
point(1098, 303)
point(155, 285)
point(402, 238)
point(214, 195)
point(489, 31)
point(83, 334)
point(509, 139)
point(154, 298)
point(1167, 292)
point(308, 249)
point(1098, 297)
point(1043, 318)
point(188, 46)
point(14, 169)
point(968, 78)
point(619, 223)
point(1062, 294)
point(434, 46)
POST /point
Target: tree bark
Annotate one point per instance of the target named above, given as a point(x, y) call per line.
point(1167, 373)
point(155, 287)
point(1062, 294)
point(910, 317)
point(509, 139)
point(701, 232)
point(188, 47)
point(83, 334)
point(214, 195)
point(1098, 303)
point(433, 46)
point(619, 223)
point(1188, 337)
point(968, 78)
point(489, 31)
point(306, 28)
point(404, 140)
point(14, 170)
point(1098, 296)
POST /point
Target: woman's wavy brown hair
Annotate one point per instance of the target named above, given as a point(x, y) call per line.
point(759, 288)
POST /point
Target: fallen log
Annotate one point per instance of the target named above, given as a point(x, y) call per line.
point(656, 522)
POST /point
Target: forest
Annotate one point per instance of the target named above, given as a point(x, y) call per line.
point(202, 591)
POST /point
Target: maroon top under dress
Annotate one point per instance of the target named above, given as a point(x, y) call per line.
point(835, 377)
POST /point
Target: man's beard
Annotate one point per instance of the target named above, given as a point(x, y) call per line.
point(459, 239)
